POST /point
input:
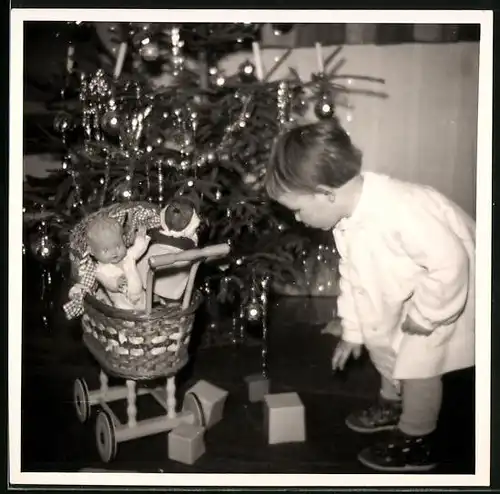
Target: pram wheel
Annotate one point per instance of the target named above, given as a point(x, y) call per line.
point(81, 400)
point(105, 436)
point(192, 404)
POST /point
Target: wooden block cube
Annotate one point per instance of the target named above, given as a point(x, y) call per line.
point(258, 387)
point(284, 416)
point(186, 443)
point(212, 400)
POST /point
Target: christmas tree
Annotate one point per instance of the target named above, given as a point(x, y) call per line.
point(158, 120)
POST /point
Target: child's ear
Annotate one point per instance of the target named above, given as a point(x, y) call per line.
point(329, 192)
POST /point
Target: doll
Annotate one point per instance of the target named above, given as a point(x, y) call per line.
point(115, 265)
point(179, 223)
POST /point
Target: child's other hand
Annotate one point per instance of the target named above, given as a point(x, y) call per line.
point(411, 327)
point(141, 231)
point(343, 351)
point(333, 327)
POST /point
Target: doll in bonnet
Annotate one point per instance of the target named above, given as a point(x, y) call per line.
point(178, 232)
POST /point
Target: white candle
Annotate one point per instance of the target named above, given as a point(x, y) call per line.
point(70, 62)
point(319, 56)
point(122, 51)
point(258, 61)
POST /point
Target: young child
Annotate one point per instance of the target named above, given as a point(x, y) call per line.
point(179, 224)
point(407, 275)
point(116, 268)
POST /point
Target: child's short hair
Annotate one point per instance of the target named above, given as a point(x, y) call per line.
point(103, 225)
point(315, 154)
point(178, 214)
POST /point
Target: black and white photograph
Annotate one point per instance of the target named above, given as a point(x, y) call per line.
point(257, 248)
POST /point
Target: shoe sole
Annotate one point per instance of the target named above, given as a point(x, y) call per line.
point(406, 469)
point(361, 430)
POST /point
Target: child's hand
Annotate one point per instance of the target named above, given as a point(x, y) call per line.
point(343, 351)
point(122, 284)
point(76, 291)
point(333, 327)
point(411, 327)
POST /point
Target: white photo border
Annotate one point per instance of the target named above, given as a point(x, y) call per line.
point(483, 215)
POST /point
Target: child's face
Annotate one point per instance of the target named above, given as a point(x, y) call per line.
point(109, 248)
point(316, 210)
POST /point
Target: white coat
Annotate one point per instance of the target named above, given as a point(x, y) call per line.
point(407, 250)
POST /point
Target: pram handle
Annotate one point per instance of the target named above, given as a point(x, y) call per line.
point(192, 257)
point(212, 251)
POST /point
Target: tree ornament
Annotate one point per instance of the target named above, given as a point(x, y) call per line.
point(172, 163)
point(159, 142)
point(150, 51)
point(200, 161)
point(211, 157)
point(283, 102)
point(177, 58)
point(246, 71)
point(280, 29)
point(110, 122)
point(216, 78)
point(124, 192)
point(324, 107)
point(253, 310)
point(43, 246)
point(62, 123)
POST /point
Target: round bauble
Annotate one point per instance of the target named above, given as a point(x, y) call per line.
point(324, 108)
point(246, 71)
point(150, 52)
point(44, 246)
point(124, 192)
point(62, 123)
point(110, 122)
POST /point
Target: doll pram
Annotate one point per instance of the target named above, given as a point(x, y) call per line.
point(140, 346)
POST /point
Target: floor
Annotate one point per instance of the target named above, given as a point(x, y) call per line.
point(299, 360)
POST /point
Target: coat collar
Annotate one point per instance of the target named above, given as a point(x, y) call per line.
point(364, 208)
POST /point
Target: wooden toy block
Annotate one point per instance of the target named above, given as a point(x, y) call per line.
point(284, 416)
point(186, 443)
point(212, 400)
point(258, 387)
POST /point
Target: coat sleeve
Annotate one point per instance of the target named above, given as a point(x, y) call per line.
point(441, 290)
point(346, 308)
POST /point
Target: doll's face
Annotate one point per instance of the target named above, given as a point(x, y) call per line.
point(109, 248)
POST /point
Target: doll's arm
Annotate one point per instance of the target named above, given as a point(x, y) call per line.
point(442, 289)
point(140, 246)
point(76, 290)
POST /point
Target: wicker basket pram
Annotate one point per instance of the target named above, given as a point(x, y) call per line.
point(140, 345)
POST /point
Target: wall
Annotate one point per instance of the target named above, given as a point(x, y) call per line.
point(425, 131)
